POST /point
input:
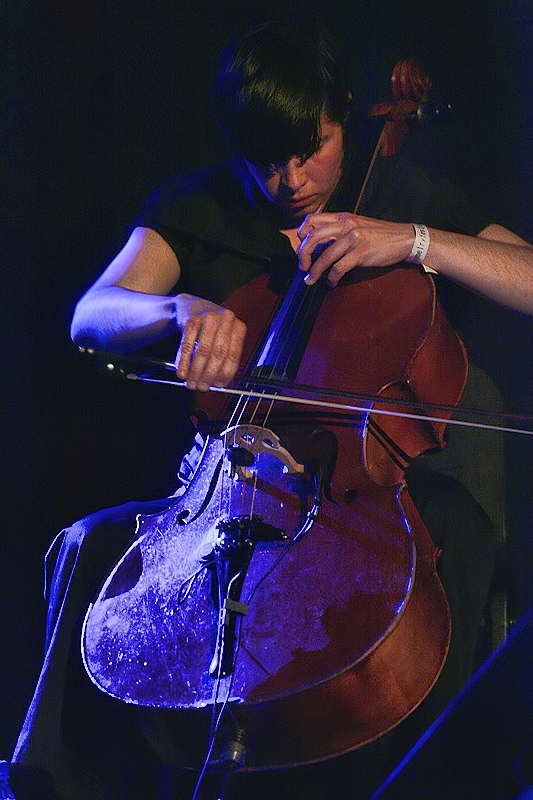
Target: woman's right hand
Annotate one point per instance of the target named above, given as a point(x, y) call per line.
point(211, 343)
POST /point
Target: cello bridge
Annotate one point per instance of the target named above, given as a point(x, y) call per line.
point(245, 442)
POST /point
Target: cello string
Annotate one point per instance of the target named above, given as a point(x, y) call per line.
point(298, 305)
point(248, 443)
point(306, 295)
point(256, 472)
point(233, 423)
point(282, 359)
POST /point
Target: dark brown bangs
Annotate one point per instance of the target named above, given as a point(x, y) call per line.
point(273, 87)
point(273, 130)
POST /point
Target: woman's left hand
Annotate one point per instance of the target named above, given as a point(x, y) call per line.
point(344, 241)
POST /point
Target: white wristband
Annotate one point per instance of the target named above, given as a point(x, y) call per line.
point(421, 244)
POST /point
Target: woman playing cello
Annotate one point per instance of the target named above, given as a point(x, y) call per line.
point(283, 203)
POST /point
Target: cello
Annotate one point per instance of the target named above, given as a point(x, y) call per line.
point(293, 583)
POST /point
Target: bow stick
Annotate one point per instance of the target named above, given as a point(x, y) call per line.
point(141, 368)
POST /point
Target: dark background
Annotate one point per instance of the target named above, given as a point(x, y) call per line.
point(103, 101)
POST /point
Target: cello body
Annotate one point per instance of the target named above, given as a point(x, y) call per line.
point(335, 626)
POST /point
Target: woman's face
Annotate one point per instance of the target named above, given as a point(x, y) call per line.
point(299, 187)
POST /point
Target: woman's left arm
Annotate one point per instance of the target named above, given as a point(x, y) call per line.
point(497, 263)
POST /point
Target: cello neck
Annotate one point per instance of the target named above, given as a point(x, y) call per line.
point(288, 334)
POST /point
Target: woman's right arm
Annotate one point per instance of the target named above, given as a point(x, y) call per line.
point(129, 307)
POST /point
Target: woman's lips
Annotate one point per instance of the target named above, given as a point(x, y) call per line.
point(298, 202)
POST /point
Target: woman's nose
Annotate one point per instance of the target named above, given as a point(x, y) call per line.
point(293, 174)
